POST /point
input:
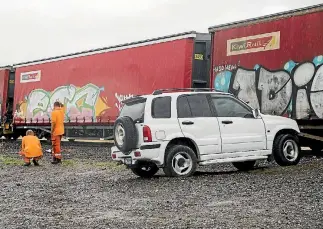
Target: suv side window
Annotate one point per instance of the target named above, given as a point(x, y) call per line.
point(227, 106)
point(161, 107)
point(193, 106)
point(183, 108)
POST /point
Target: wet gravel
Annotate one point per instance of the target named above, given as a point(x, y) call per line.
point(90, 191)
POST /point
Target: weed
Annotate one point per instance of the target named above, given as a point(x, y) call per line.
point(68, 163)
point(7, 160)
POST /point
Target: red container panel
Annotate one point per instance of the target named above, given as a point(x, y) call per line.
point(4, 77)
point(92, 86)
point(275, 66)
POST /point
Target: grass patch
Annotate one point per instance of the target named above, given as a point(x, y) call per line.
point(68, 163)
point(6, 160)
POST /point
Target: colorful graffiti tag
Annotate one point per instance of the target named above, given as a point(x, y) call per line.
point(294, 91)
point(120, 98)
point(79, 103)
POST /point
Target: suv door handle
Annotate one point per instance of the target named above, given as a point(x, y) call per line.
point(187, 123)
point(227, 122)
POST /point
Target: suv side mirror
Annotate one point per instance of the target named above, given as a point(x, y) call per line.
point(256, 113)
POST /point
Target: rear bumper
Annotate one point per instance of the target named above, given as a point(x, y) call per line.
point(146, 153)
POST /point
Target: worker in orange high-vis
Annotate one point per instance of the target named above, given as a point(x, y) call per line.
point(57, 132)
point(31, 148)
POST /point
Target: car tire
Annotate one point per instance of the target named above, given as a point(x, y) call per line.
point(125, 134)
point(180, 161)
point(286, 150)
point(244, 165)
point(145, 170)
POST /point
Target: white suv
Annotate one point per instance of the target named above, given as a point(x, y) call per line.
point(179, 129)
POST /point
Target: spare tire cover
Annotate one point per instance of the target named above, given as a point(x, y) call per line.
point(125, 134)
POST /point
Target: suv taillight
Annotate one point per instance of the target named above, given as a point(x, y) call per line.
point(147, 134)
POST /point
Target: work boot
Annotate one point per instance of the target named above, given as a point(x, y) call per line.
point(35, 162)
point(56, 161)
point(53, 160)
point(27, 164)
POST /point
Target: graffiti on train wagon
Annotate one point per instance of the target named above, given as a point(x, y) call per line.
point(79, 103)
point(294, 91)
point(226, 67)
point(120, 98)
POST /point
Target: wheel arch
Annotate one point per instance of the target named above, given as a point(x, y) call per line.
point(286, 131)
point(183, 141)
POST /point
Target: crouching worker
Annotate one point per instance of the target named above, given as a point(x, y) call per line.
point(31, 149)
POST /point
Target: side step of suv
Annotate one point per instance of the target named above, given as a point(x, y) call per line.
point(230, 160)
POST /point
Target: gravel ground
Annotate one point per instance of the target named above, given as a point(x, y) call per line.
point(90, 191)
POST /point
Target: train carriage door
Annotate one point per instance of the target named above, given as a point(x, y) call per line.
point(201, 61)
point(11, 85)
point(10, 96)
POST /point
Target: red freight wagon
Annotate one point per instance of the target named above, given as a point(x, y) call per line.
point(92, 84)
point(4, 80)
point(275, 63)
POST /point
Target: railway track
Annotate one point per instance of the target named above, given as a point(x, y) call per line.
point(85, 143)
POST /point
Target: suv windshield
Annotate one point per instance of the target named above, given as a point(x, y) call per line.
point(134, 109)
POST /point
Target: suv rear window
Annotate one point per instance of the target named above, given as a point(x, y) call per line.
point(134, 109)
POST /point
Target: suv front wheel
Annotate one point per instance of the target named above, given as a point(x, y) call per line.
point(286, 150)
point(181, 161)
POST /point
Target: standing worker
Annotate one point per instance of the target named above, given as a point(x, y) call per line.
point(57, 131)
point(31, 148)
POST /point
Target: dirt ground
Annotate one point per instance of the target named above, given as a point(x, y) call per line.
point(90, 191)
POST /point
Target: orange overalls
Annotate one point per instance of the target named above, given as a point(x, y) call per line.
point(57, 117)
point(31, 148)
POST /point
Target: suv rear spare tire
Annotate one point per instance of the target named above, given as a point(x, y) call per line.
point(180, 161)
point(286, 150)
point(125, 134)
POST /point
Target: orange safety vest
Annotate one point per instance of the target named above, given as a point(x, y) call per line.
point(58, 119)
point(31, 146)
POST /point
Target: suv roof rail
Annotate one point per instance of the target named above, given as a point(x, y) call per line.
point(160, 91)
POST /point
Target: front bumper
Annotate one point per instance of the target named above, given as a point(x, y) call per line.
point(146, 153)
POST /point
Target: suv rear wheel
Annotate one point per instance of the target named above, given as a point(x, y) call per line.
point(286, 150)
point(180, 161)
point(145, 169)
